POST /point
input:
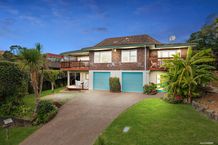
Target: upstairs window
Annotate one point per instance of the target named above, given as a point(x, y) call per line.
point(102, 57)
point(167, 53)
point(129, 55)
point(83, 58)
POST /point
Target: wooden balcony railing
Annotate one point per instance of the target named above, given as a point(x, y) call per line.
point(54, 64)
point(155, 64)
point(75, 65)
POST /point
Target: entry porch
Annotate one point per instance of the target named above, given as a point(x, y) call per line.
point(77, 80)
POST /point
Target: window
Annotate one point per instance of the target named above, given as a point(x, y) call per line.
point(129, 55)
point(167, 53)
point(102, 57)
point(83, 58)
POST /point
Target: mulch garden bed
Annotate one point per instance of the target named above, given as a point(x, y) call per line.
point(16, 122)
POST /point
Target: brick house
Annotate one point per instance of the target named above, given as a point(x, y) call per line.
point(136, 60)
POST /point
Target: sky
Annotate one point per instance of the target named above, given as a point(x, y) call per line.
point(66, 25)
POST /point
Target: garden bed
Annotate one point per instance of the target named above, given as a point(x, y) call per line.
point(207, 105)
point(16, 122)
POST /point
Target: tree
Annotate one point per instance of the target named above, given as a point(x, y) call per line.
point(15, 49)
point(8, 56)
point(207, 37)
point(32, 60)
point(186, 76)
point(13, 81)
point(52, 76)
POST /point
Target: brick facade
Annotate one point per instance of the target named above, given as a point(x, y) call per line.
point(153, 57)
point(153, 53)
point(116, 62)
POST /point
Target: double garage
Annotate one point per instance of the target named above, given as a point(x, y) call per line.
point(130, 81)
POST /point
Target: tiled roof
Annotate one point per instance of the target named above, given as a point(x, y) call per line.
point(81, 51)
point(135, 39)
point(54, 55)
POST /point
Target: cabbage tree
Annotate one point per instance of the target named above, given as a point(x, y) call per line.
point(33, 61)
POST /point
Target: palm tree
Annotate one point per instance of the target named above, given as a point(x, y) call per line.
point(32, 60)
point(186, 76)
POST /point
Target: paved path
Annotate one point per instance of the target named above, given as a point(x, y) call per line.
point(82, 119)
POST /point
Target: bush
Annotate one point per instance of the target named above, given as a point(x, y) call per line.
point(57, 104)
point(186, 77)
point(46, 111)
point(115, 84)
point(173, 99)
point(150, 89)
point(13, 81)
point(14, 108)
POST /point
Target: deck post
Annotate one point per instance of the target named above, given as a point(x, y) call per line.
point(68, 78)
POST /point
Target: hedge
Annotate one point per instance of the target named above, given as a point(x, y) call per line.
point(13, 81)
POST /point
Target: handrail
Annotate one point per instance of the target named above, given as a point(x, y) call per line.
point(70, 64)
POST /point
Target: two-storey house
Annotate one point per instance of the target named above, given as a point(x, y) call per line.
point(53, 61)
point(135, 60)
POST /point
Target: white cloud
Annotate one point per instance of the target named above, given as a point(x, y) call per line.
point(31, 19)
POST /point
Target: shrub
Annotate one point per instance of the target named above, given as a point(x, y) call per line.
point(186, 77)
point(14, 108)
point(8, 107)
point(150, 89)
point(173, 99)
point(57, 104)
point(13, 81)
point(115, 84)
point(46, 111)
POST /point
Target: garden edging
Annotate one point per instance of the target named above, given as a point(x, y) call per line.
point(208, 112)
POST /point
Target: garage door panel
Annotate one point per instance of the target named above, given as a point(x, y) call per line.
point(132, 82)
point(101, 80)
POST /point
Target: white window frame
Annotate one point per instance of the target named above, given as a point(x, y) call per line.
point(83, 58)
point(98, 56)
point(168, 52)
point(130, 56)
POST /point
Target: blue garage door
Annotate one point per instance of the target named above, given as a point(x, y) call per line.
point(132, 82)
point(101, 80)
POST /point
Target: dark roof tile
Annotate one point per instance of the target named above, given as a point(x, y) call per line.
point(135, 39)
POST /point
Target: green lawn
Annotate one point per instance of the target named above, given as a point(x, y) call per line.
point(16, 135)
point(155, 122)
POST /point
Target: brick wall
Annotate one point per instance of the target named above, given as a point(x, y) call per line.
point(116, 62)
point(153, 53)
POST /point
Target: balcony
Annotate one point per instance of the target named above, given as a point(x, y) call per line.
point(75, 65)
point(156, 64)
point(54, 65)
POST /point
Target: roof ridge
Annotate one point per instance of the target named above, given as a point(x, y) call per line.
point(128, 36)
point(132, 39)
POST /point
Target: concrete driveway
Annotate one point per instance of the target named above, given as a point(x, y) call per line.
point(83, 118)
